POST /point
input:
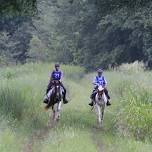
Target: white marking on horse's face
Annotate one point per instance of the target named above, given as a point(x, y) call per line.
point(100, 88)
point(58, 91)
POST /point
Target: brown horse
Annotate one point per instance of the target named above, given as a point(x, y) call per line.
point(55, 96)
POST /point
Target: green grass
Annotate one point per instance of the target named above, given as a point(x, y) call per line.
point(24, 119)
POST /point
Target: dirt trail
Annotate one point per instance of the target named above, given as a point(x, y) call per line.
point(99, 144)
point(36, 138)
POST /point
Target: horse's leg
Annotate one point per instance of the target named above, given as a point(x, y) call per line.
point(102, 113)
point(54, 113)
point(98, 109)
point(51, 119)
point(59, 110)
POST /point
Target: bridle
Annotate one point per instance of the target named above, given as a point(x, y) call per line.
point(57, 86)
point(100, 92)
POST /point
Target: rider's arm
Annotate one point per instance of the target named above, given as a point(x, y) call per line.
point(95, 83)
point(105, 82)
point(61, 76)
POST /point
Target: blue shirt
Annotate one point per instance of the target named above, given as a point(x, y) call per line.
point(99, 81)
point(56, 75)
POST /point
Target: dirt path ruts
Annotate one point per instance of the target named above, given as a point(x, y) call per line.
point(35, 138)
point(99, 144)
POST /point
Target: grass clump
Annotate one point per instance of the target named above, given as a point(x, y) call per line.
point(134, 117)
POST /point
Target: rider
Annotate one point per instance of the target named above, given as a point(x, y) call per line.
point(99, 80)
point(56, 74)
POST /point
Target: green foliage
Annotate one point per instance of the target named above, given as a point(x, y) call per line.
point(136, 67)
point(90, 33)
point(9, 138)
point(17, 7)
point(23, 119)
point(105, 7)
point(37, 51)
point(104, 33)
point(18, 98)
point(134, 117)
point(15, 22)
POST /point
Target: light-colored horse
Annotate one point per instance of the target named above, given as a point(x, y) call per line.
point(100, 104)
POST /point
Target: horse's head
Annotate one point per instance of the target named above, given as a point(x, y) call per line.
point(100, 92)
point(57, 90)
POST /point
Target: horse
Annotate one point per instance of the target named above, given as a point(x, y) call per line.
point(100, 103)
point(55, 96)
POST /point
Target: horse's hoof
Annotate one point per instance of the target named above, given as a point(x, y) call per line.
point(58, 119)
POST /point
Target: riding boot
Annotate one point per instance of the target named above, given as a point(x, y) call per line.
point(46, 100)
point(65, 101)
point(92, 97)
point(108, 103)
point(107, 93)
point(108, 97)
point(91, 103)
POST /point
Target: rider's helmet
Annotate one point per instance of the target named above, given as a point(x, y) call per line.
point(100, 71)
point(57, 65)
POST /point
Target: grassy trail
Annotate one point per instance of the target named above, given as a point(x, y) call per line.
point(82, 121)
point(24, 124)
point(78, 123)
point(36, 138)
point(78, 106)
point(98, 143)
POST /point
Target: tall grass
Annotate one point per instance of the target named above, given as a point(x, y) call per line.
point(132, 68)
point(133, 89)
point(135, 118)
point(21, 93)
